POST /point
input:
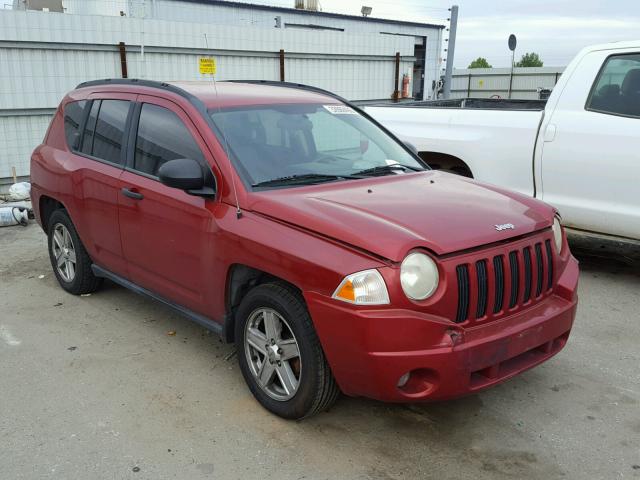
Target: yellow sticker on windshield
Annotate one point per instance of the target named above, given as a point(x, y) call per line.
point(340, 109)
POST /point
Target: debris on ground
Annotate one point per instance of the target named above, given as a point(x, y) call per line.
point(19, 191)
point(171, 333)
point(10, 216)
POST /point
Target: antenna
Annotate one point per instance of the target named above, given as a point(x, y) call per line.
point(225, 142)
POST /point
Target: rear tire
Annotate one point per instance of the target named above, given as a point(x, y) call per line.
point(69, 259)
point(271, 323)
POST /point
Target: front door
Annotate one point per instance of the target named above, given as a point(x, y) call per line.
point(167, 234)
point(591, 154)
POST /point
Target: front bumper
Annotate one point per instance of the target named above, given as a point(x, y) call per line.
point(370, 350)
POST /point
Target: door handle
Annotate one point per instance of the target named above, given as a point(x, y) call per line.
point(550, 133)
point(131, 194)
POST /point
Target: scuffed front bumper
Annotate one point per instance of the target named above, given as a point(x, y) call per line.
point(370, 350)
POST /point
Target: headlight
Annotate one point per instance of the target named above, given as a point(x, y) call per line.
point(419, 276)
point(363, 288)
point(557, 234)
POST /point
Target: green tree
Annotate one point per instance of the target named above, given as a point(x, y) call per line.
point(530, 60)
point(480, 62)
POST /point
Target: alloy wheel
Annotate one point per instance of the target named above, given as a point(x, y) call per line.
point(64, 252)
point(273, 354)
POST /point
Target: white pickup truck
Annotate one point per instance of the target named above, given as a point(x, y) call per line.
point(580, 152)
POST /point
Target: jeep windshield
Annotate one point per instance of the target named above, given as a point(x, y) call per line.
point(287, 145)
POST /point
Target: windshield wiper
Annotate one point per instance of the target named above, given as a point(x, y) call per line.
point(303, 179)
point(383, 169)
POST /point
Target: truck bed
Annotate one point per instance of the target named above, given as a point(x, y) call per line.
point(476, 103)
point(496, 144)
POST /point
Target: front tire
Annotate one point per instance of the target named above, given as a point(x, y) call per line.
point(280, 355)
point(70, 261)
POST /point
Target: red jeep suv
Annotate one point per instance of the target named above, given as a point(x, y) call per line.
point(293, 224)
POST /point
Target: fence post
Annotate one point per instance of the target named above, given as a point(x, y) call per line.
point(282, 65)
point(123, 59)
point(396, 92)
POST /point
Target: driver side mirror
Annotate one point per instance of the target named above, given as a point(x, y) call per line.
point(185, 174)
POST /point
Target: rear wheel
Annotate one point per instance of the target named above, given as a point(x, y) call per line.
point(70, 261)
point(280, 355)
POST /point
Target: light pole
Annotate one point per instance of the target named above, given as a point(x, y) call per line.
point(453, 27)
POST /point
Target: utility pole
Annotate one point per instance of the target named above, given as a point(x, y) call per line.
point(451, 49)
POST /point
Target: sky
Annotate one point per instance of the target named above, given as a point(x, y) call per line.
point(555, 29)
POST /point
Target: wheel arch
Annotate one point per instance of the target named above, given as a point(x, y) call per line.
point(46, 206)
point(240, 280)
point(448, 162)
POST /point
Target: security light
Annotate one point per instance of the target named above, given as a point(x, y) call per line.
point(366, 11)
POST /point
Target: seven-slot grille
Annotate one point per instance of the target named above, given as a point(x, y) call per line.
point(489, 286)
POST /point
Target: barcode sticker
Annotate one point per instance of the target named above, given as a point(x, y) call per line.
point(340, 110)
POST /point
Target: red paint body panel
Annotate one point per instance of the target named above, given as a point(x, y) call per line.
point(431, 210)
point(182, 247)
point(374, 348)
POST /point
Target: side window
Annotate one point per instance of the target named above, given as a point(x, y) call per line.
point(617, 88)
point(89, 127)
point(104, 130)
point(109, 134)
point(73, 114)
point(162, 137)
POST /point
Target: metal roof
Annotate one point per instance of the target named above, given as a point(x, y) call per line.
point(253, 6)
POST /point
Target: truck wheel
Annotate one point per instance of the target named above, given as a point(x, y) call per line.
point(69, 259)
point(280, 355)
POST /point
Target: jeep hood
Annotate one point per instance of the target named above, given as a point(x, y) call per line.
point(390, 215)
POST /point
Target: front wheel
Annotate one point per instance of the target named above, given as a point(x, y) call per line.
point(280, 355)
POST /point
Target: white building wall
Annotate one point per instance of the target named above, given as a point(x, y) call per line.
point(44, 55)
point(492, 82)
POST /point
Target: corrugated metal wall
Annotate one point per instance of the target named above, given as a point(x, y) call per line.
point(488, 82)
point(44, 55)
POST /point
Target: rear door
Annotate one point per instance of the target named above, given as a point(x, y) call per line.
point(591, 153)
point(99, 148)
point(167, 234)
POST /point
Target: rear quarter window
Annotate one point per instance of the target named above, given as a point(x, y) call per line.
point(73, 116)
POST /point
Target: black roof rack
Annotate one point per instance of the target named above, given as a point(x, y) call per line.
point(135, 81)
point(183, 93)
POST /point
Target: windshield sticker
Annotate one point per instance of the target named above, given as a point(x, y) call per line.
point(340, 110)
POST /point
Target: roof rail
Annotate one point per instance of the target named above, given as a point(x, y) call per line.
point(299, 86)
point(136, 81)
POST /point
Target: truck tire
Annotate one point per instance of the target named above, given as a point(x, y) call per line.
point(70, 261)
point(280, 355)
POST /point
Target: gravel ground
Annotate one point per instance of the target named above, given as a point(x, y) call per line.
point(95, 388)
